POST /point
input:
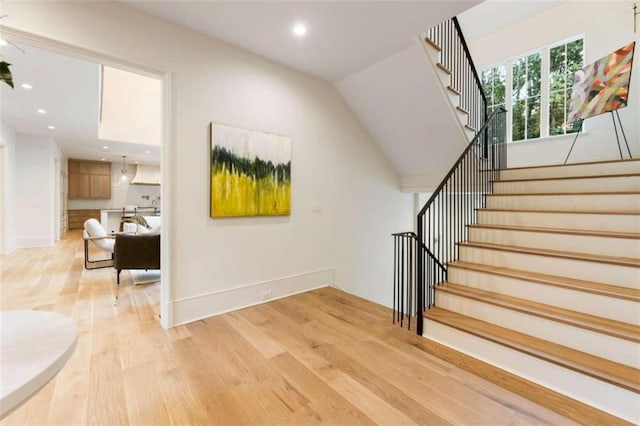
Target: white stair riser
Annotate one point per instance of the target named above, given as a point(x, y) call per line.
point(606, 273)
point(570, 170)
point(598, 222)
point(445, 77)
point(598, 202)
point(606, 246)
point(604, 396)
point(581, 301)
point(462, 116)
point(433, 53)
point(470, 133)
point(605, 184)
point(601, 345)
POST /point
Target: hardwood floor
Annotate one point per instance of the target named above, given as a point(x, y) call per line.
point(318, 357)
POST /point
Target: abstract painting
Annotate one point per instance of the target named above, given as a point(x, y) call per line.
point(250, 173)
point(602, 86)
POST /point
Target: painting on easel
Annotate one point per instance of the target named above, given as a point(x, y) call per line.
point(602, 86)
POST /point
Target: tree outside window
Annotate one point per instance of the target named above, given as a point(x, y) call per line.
point(526, 98)
point(494, 84)
point(564, 61)
point(540, 85)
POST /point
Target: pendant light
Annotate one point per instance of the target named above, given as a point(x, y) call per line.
point(123, 170)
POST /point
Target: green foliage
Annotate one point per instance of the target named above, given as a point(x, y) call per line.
point(5, 73)
point(493, 84)
point(564, 61)
point(256, 168)
point(526, 88)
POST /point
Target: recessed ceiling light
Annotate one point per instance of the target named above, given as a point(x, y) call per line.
point(51, 127)
point(26, 86)
point(299, 29)
point(42, 111)
point(147, 152)
point(105, 147)
point(103, 159)
point(3, 42)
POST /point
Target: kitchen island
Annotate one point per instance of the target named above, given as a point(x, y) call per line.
point(111, 218)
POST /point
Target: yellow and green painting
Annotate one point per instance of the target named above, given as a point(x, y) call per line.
point(250, 173)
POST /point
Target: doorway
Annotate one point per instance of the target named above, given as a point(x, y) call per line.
point(162, 200)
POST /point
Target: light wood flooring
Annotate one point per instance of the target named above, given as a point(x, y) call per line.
point(318, 357)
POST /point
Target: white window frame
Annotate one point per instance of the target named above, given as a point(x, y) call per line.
point(544, 86)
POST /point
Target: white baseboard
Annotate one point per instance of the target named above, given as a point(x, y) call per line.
point(7, 247)
point(195, 308)
point(33, 242)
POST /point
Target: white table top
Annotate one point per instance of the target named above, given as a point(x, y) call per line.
point(34, 346)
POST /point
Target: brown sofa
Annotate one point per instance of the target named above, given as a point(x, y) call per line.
point(141, 251)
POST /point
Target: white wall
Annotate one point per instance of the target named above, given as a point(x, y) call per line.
point(34, 191)
point(131, 107)
point(122, 192)
point(8, 140)
point(337, 170)
point(606, 25)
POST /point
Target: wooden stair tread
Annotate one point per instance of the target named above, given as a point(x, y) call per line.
point(615, 260)
point(572, 164)
point(454, 91)
point(470, 128)
point(529, 194)
point(459, 108)
point(601, 325)
point(433, 44)
point(608, 290)
point(443, 68)
point(602, 369)
point(611, 234)
point(567, 178)
point(611, 212)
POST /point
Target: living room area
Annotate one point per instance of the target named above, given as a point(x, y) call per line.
point(81, 149)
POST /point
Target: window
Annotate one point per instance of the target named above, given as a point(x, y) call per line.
point(536, 89)
point(493, 80)
point(564, 61)
point(525, 114)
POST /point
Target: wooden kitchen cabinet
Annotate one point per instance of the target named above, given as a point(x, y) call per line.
point(76, 218)
point(89, 179)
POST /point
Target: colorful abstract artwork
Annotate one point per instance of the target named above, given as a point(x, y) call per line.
point(602, 86)
point(250, 173)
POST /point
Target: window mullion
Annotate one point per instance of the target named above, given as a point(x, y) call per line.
point(508, 99)
point(544, 93)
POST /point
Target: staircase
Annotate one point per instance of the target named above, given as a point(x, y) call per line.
point(535, 270)
point(547, 283)
point(451, 62)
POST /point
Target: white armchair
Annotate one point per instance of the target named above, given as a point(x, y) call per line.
point(95, 232)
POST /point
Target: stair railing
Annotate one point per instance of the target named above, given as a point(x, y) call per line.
point(421, 260)
point(455, 56)
point(406, 248)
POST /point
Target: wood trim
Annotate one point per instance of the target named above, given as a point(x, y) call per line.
point(470, 128)
point(599, 368)
point(528, 194)
point(571, 164)
point(566, 178)
point(433, 44)
point(600, 325)
point(443, 68)
point(454, 91)
point(600, 289)
point(621, 261)
point(462, 110)
point(610, 212)
point(607, 234)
